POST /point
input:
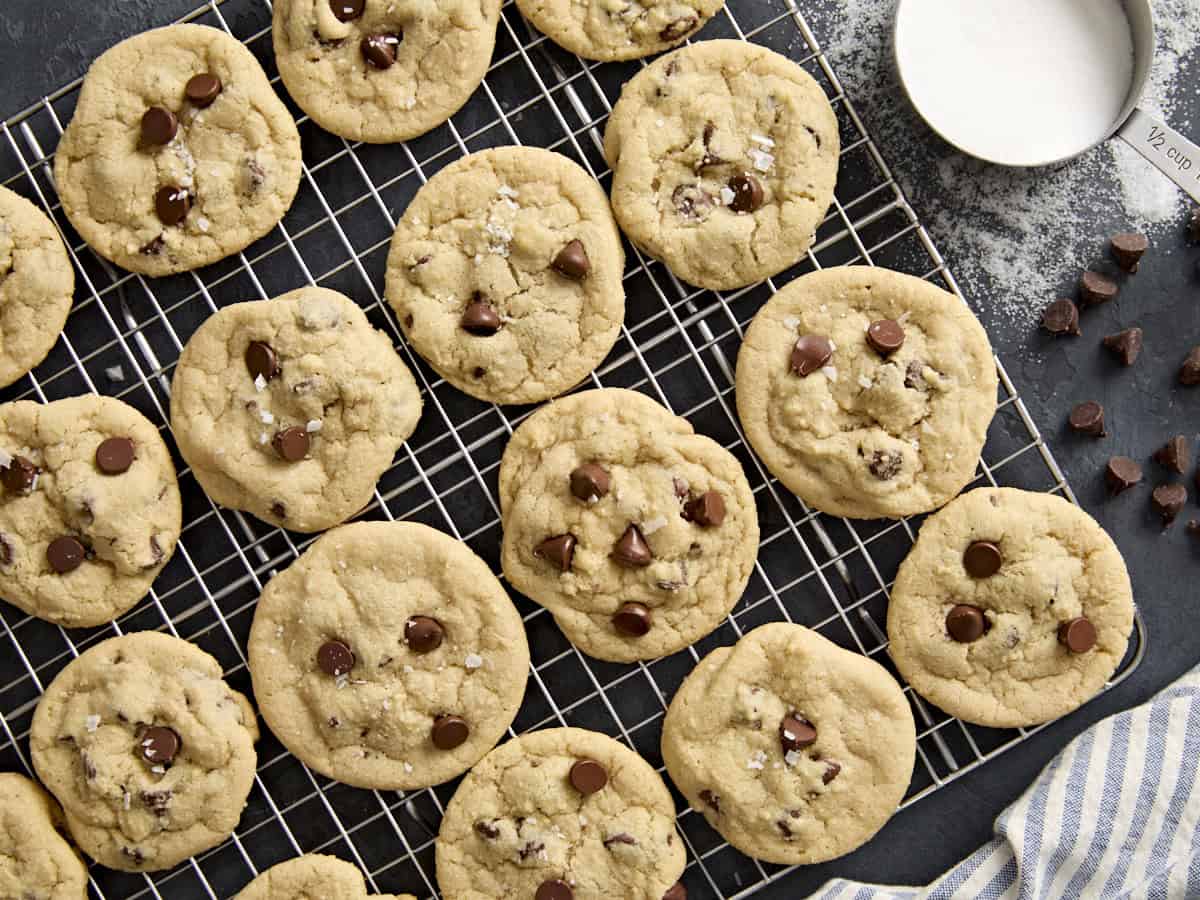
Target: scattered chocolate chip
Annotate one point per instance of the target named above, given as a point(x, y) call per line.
point(711, 800)
point(261, 359)
point(1189, 372)
point(159, 745)
point(256, 175)
point(159, 126)
point(1077, 635)
point(423, 634)
point(335, 658)
point(559, 550)
point(172, 204)
point(589, 482)
point(1125, 345)
point(1175, 454)
point(1088, 418)
point(115, 455)
point(966, 623)
point(278, 510)
point(747, 193)
point(676, 892)
point(1061, 317)
point(1121, 474)
point(65, 554)
point(1095, 289)
point(1128, 248)
point(811, 352)
point(6, 551)
point(587, 776)
point(679, 28)
point(832, 770)
point(153, 247)
point(19, 475)
point(291, 443)
point(156, 801)
point(692, 202)
point(632, 619)
point(707, 510)
point(347, 10)
point(530, 848)
point(379, 50)
point(914, 375)
point(885, 464)
point(796, 733)
point(479, 372)
point(1168, 500)
point(203, 89)
point(449, 732)
point(631, 549)
point(885, 336)
point(572, 261)
point(554, 889)
point(133, 854)
point(89, 767)
point(487, 830)
point(480, 318)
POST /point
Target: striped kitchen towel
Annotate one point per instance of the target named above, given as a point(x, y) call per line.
point(1113, 816)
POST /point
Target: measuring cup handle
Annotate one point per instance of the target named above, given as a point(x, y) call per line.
point(1169, 151)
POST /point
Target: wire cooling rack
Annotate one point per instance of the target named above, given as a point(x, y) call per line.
point(678, 345)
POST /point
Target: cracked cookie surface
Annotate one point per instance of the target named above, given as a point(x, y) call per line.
point(505, 273)
point(149, 751)
point(412, 632)
point(854, 430)
point(89, 508)
point(618, 29)
point(161, 173)
point(313, 876)
point(662, 525)
point(795, 750)
point(292, 408)
point(383, 71)
point(724, 157)
point(36, 286)
point(560, 805)
point(36, 862)
point(1014, 567)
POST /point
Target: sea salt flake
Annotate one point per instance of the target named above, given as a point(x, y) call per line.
point(5, 459)
point(791, 757)
point(260, 383)
point(652, 525)
point(473, 661)
point(408, 768)
point(92, 722)
point(757, 761)
point(126, 799)
point(158, 770)
point(791, 322)
point(864, 382)
point(203, 224)
point(761, 159)
point(762, 139)
point(387, 704)
point(507, 193)
point(830, 372)
point(262, 438)
point(267, 416)
point(727, 196)
point(312, 425)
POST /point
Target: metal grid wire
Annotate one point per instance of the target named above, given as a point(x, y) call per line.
point(677, 345)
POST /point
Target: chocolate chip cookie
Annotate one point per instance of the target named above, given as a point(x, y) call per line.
point(868, 393)
point(636, 533)
point(36, 286)
point(795, 750)
point(179, 152)
point(382, 71)
point(1011, 609)
point(505, 274)
point(625, 29)
point(89, 508)
point(149, 751)
point(560, 814)
point(409, 669)
point(724, 157)
point(312, 875)
point(292, 408)
point(36, 862)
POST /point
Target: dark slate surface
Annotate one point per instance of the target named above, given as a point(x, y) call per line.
point(45, 43)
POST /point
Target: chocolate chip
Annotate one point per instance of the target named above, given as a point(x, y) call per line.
point(89, 767)
point(134, 854)
point(335, 658)
point(588, 776)
point(153, 247)
point(19, 475)
point(115, 455)
point(559, 550)
point(707, 510)
point(1189, 372)
point(572, 261)
point(1088, 418)
point(747, 193)
point(676, 892)
point(784, 828)
point(832, 770)
point(966, 623)
point(1168, 500)
point(885, 336)
point(291, 443)
point(796, 733)
point(554, 889)
point(379, 50)
point(811, 352)
point(982, 559)
point(1077, 635)
point(487, 830)
point(203, 89)
point(172, 204)
point(914, 376)
point(679, 28)
point(885, 464)
point(530, 848)
point(159, 745)
point(632, 619)
point(480, 318)
point(1095, 289)
point(6, 551)
point(156, 801)
point(423, 634)
point(692, 202)
point(620, 838)
point(278, 510)
point(1125, 345)
point(159, 126)
point(1061, 317)
point(347, 10)
point(631, 549)
point(711, 800)
point(261, 359)
point(478, 372)
point(1128, 248)
point(1121, 474)
point(65, 554)
point(1175, 454)
point(449, 732)
point(256, 175)
point(589, 482)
